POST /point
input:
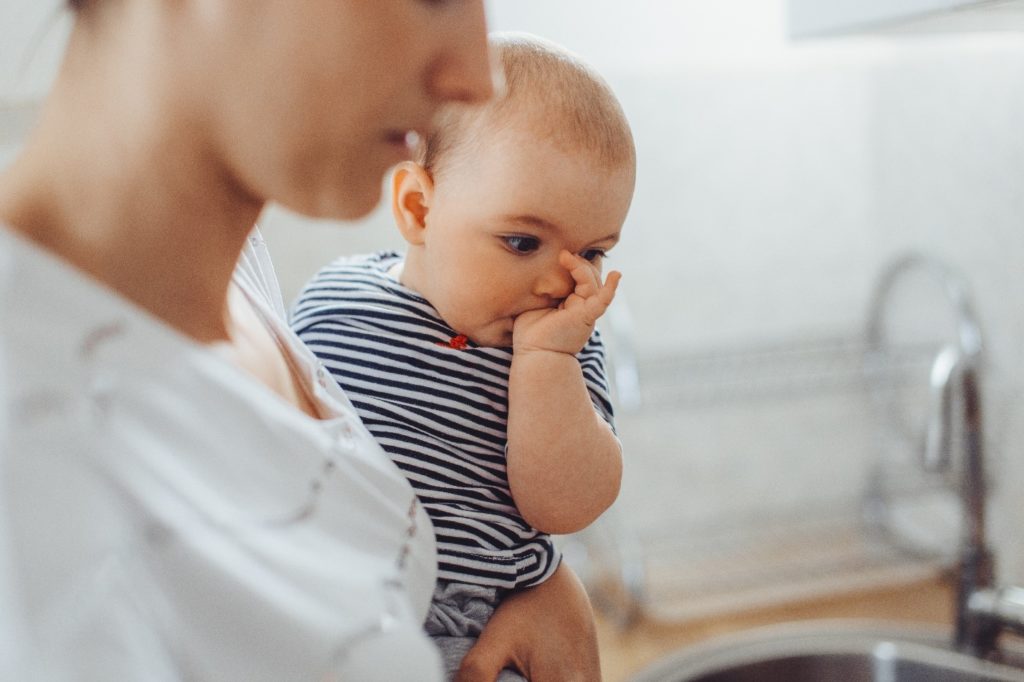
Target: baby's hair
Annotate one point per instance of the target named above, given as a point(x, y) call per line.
point(552, 91)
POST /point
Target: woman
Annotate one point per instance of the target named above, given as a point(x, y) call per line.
point(185, 495)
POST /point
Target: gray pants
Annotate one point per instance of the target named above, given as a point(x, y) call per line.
point(458, 614)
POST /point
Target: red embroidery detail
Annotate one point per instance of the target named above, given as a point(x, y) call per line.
point(458, 342)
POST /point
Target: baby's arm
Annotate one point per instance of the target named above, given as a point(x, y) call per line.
point(564, 462)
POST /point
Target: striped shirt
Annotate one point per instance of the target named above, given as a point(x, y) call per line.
point(439, 412)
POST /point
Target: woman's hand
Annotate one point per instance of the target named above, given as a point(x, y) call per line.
point(546, 632)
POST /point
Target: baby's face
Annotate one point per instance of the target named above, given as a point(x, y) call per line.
point(500, 215)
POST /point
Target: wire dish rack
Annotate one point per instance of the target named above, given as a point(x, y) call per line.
point(766, 474)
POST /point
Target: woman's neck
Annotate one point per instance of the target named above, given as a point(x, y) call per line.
point(123, 184)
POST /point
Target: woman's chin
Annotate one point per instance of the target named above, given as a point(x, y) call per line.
point(350, 204)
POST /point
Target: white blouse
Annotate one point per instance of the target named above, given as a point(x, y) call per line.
point(165, 516)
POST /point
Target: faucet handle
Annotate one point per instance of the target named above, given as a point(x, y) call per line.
point(1003, 606)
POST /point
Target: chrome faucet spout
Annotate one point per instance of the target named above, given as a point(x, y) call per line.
point(976, 569)
point(968, 331)
point(982, 611)
point(938, 437)
point(952, 370)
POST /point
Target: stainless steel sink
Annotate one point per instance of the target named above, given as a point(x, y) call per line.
point(826, 651)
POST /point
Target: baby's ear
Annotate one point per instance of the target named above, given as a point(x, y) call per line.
point(412, 190)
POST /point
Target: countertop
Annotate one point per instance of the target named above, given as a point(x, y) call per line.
point(624, 652)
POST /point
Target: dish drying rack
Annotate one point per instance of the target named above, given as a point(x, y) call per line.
point(879, 519)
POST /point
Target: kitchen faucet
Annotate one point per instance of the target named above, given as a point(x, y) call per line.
point(983, 610)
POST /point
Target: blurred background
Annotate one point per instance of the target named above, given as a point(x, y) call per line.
point(788, 152)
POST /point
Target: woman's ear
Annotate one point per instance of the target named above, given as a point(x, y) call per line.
point(412, 190)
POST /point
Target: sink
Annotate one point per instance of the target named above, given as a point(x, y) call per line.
point(826, 651)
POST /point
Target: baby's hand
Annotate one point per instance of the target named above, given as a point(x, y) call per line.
point(565, 329)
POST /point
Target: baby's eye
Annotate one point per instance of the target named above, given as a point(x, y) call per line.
point(521, 243)
point(593, 255)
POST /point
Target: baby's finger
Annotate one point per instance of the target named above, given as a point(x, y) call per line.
point(596, 305)
point(583, 272)
point(611, 285)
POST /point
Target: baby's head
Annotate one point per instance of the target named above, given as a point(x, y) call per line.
point(501, 189)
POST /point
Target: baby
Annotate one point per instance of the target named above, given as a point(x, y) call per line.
point(473, 358)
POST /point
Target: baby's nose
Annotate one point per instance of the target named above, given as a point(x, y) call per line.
point(555, 283)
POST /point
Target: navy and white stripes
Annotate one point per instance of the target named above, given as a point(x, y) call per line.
point(440, 413)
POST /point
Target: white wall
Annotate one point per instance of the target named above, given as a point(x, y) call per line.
point(948, 158)
point(774, 181)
